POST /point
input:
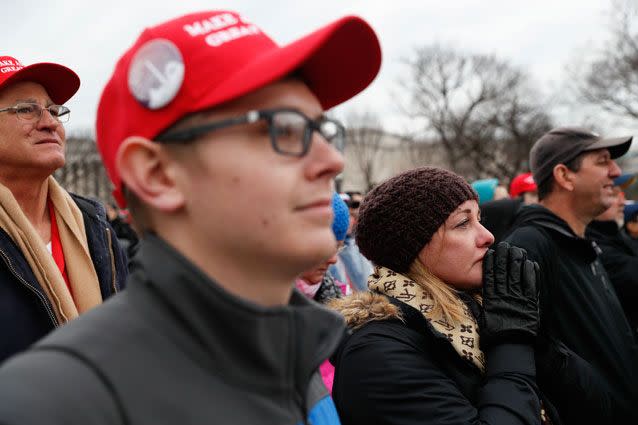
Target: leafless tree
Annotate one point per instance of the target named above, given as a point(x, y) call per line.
point(364, 141)
point(610, 79)
point(480, 109)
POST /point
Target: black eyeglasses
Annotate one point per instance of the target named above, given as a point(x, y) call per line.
point(33, 111)
point(290, 130)
point(354, 204)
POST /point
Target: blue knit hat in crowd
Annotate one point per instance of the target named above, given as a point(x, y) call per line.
point(341, 217)
point(631, 210)
point(485, 189)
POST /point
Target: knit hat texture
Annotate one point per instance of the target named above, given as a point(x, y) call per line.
point(341, 219)
point(400, 216)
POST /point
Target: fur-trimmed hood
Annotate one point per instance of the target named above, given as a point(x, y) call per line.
point(361, 308)
point(394, 295)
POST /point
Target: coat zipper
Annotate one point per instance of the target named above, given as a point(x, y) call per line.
point(42, 298)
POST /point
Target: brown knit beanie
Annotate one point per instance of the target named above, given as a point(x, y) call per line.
point(400, 216)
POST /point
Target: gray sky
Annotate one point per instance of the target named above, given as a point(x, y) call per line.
point(541, 36)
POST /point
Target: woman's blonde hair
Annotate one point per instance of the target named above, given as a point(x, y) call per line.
point(446, 301)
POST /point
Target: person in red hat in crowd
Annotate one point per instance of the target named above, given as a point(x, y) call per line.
point(498, 216)
point(524, 186)
point(216, 139)
point(617, 253)
point(60, 257)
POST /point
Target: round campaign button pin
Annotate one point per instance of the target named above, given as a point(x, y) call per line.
point(156, 73)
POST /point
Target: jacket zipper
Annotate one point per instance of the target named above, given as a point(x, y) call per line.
point(297, 391)
point(602, 277)
point(112, 257)
point(43, 299)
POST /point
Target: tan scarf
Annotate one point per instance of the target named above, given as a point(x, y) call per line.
point(79, 266)
point(463, 336)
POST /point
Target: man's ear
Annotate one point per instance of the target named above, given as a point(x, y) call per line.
point(564, 177)
point(148, 171)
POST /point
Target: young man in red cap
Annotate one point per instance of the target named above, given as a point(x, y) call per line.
point(59, 255)
point(216, 138)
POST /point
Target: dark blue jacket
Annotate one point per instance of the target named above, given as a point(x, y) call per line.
point(26, 314)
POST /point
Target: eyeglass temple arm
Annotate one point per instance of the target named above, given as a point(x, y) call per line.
point(192, 133)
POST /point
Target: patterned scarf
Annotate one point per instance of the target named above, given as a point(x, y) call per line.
point(463, 336)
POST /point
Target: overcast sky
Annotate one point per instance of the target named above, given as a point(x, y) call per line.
point(541, 36)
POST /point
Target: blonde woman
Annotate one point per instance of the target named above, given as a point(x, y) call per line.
point(423, 349)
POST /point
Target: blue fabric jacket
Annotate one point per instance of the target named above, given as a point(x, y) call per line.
point(26, 314)
point(357, 267)
point(179, 350)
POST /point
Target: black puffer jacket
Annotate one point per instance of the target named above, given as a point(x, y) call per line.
point(588, 359)
point(621, 264)
point(395, 368)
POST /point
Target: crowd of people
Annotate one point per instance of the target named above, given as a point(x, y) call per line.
point(232, 284)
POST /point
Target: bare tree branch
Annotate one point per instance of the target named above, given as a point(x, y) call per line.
point(479, 109)
point(610, 79)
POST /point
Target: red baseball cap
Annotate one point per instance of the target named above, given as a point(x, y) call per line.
point(521, 184)
point(59, 81)
point(202, 60)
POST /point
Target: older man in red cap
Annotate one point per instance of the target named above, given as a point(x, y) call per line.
point(59, 255)
point(216, 138)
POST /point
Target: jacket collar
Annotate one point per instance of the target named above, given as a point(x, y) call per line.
point(252, 345)
point(538, 215)
point(607, 228)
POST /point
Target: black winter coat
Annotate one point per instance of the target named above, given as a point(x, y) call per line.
point(620, 262)
point(26, 314)
point(395, 368)
point(587, 360)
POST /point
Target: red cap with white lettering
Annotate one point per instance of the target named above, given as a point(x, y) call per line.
point(521, 184)
point(59, 81)
point(201, 60)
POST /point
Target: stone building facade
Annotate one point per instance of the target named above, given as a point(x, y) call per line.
point(83, 172)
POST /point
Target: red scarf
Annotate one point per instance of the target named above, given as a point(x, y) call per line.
point(56, 247)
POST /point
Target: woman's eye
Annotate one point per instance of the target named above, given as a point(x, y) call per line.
point(462, 224)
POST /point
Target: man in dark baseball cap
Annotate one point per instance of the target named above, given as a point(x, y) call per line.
point(562, 145)
point(587, 357)
point(216, 138)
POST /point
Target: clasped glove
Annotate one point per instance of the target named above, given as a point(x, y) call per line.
point(510, 297)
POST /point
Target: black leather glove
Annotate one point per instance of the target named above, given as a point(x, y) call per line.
point(510, 298)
